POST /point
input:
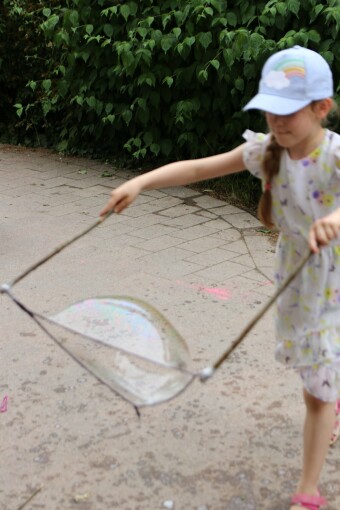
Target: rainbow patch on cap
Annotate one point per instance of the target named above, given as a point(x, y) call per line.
point(292, 68)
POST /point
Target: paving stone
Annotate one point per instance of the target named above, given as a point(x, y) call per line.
point(181, 192)
point(202, 244)
point(219, 224)
point(207, 202)
point(154, 244)
point(187, 221)
point(196, 231)
point(230, 234)
point(225, 210)
point(211, 257)
point(223, 271)
point(179, 210)
point(242, 220)
point(154, 231)
point(238, 247)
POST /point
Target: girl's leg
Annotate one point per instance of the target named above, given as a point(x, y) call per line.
point(318, 427)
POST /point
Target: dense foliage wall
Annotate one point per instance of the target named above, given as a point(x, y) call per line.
point(161, 78)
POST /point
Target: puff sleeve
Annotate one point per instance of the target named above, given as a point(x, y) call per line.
point(254, 150)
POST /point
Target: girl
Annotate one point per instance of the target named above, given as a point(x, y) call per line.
point(299, 165)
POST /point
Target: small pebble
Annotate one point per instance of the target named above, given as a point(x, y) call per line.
point(169, 504)
point(79, 498)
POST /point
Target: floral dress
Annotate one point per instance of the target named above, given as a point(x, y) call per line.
point(308, 312)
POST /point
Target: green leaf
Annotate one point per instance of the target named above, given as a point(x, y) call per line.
point(89, 29)
point(294, 6)
point(219, 21)
point(203, 75)
point(127, 59)
point(127, 116)
point(46, 12)
point(110, 11)
point(239, 84)
point(148, 78)
point(148, 138)
point(19, 109)
point(125, 11)
point(50, 23)
point(79, 100)
point(108, 108)
point(215, 63)
point(155, 148)
point(74, 18)
point(166, 146)
point(168, 80)
point(32, 84)
point(232, 19)
point(209, 11)
point(46, 85)
point(108, 30)
point(133, 6)
point(91, 101)
point(46, 106)
point(177, 32)
point(205, 39)
point(109, 118)
point(142, 103)
point(189, 41)
point(149, 20)
point(229, 57)
point(167, 43)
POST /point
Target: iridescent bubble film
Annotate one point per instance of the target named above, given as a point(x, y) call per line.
point(130, 345)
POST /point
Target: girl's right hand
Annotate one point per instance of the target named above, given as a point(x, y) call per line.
point(122, 197)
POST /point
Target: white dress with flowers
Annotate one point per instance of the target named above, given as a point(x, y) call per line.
point(308, 312)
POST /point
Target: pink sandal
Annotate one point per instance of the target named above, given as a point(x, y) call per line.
point(336, 428)
point(308, 502)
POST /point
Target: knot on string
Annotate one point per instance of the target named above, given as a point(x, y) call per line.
point(206, 373)
point(5, 288)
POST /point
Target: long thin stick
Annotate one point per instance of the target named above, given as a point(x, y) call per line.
point(208, 372)
point(30, 498)
point(59, 249)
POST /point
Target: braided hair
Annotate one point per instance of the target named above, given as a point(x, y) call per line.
point(271, 167)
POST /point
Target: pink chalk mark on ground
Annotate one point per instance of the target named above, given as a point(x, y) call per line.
point(266, 284)
point(219, 293)
point(3, 405)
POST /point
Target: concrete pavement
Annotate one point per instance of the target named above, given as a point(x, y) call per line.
point(230, 444)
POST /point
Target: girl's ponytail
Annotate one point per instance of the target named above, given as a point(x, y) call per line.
point(271, 167)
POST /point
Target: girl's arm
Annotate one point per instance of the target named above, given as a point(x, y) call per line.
point(324, 230)
point(176, 174)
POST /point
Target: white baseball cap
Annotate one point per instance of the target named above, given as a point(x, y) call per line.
point(291, 79)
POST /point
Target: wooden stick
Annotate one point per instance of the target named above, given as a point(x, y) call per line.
point(58, 250)
point(208, 372)
point(30, 498)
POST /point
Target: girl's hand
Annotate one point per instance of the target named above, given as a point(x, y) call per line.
point(324, 230)
point(122, 197)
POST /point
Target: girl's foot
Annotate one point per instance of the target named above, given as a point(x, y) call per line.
point(336, 428)
point(306, 502)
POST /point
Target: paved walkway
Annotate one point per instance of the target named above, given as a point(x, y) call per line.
point(230, 444)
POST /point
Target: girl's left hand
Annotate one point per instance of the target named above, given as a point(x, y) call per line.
point(324, 230)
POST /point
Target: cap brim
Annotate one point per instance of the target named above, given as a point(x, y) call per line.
point(275, 104)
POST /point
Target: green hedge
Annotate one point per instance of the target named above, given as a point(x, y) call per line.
point(149, 78)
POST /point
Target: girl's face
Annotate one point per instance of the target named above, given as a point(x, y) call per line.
point(300, 132)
